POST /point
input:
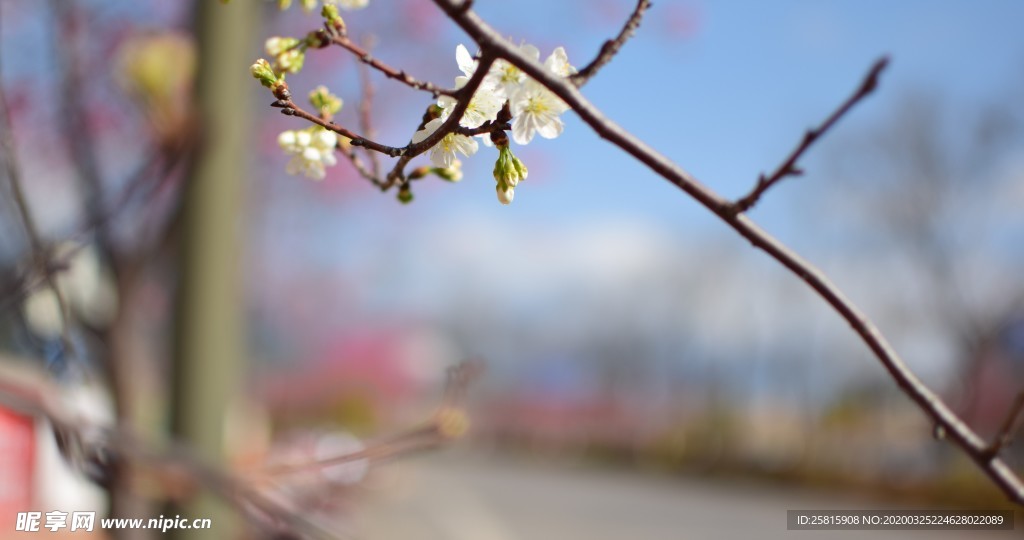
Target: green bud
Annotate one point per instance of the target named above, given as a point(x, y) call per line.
point(264, 73)
point(308, 5)
point(290, 61)
point(324, 101)
point(520, 168)
point(419, 172)
point(333, 18)
point(405, 194)
point(451, 174)
point(284, 4)
point(508, 169)
point(276, 45)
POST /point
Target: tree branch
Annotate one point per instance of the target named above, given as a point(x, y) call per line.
point(491, 42)
point(289, 108)
point(436, 432)
point(365, 114)
point(611, 47)
point(1005, 435)
point(40, 254)
point(788, 167)
point(365, 57)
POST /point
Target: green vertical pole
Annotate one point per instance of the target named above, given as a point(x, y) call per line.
point(209, 326)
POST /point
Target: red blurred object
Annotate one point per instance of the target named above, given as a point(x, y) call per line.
point(17, 463)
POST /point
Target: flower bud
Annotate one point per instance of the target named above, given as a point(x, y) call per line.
point(290, 61)
point(284, 4)
point(333, 18)
point(262, 72)
point(505, 193)
point(324, 101)
point(308, 5)
point(405, 194)
point(276, 45)
point(508, 169)
point(452, 174)
point(419, 172)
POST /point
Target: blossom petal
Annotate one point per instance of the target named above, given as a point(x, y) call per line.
point(558, 63)
point(551, 128)
point(327, 139)
point(429, 128)
point(286, 140)
point(439, 157)
point(530, 51)
point(467, 145)
point(465, 60)
point(522, 129)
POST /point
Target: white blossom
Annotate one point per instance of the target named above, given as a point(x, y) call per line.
point(311, 149)
point(507, 78)
point(536, 110)
point(442, 154)
point(483, 106)
point(558, 63)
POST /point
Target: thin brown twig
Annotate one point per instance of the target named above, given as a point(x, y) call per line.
point(289, 108)
point(611, 47)
point(490, 41)
point(39, 251)
point(1006, 432)
point(428, 436)
point(365, 114)
point(81, 146)
point(365, 57)
point(78, 239)
point(360, 167)
point(788, 167)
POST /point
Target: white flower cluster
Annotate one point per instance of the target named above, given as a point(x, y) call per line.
point(535, 111)
point(311, 149)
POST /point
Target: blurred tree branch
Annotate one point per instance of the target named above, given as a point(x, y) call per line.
point(493, 45)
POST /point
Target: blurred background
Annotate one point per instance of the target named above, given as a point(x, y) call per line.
point(646, 372)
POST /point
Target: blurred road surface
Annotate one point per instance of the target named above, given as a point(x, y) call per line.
point(465, 497)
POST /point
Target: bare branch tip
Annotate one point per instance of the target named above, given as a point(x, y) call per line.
point(871, 81)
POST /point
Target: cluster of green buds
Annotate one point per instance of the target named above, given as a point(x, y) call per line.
point(326, 103)
point(333, 18)
point(508, 169)
point(289, 53)
point(263, 72)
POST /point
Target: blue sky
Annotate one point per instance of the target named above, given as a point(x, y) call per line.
point(724, 89)
point(728, 95)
